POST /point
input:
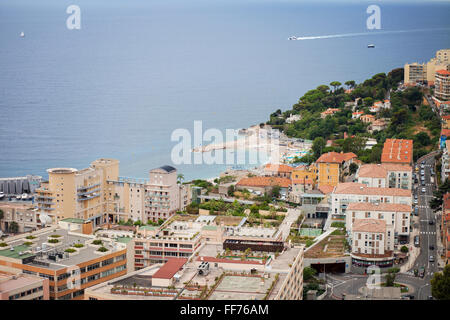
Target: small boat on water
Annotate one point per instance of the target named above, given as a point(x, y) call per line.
point(18, 197)
point(22, 34)
point(292, 38)
point(2, 195)
point(24, 196)
point(370, 46)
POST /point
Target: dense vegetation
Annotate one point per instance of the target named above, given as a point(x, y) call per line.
point(409, 118)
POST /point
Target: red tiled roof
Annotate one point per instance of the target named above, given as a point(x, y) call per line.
point(168, 270)
point(385, 207)
point(445, 132)
point(443, 72)
point(397, 151)
point(326, 189)
point(302, 181)
point(334, 157)
point(369, 225)
point(278, 167)
point(362, 189)
point(381, 170)
point(264, 182)
point(446, 117)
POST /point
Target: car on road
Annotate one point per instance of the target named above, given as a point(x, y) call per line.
point(422, 178)
point(421, 272)
point(416, 211)
point(415, 201)
point(417, 241)
point(407, 297)
point(430, 222)
point(424, 190)
point(423, 183)
point(422, 172)
point(431, 259)
point(431, 247)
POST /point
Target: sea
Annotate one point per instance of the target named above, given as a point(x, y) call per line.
point(137, 71)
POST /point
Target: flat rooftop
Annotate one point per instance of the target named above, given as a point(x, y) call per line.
point(13, 282)
point(67, 239)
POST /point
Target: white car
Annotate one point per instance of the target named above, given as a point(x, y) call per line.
point(415, 201)
point(424, 190)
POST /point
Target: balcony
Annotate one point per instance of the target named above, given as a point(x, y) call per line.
point(88, 187)
point(88, 192)
point(84, 198)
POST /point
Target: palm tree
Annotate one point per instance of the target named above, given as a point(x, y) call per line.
point(180, 178)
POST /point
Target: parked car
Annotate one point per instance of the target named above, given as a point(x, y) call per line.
point(415, 201)
point(431, 247)
point(416, 211)
point(431, 259)
point(424, 190)
point(407, 297)
point(431, 222)
point(417, 241)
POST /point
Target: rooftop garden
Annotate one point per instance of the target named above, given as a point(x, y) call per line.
point(78, 245)
point(3, 244)
point(53, 241)
point(70, 250)
point(97, 242)
point(102, 249)
point(30, 237)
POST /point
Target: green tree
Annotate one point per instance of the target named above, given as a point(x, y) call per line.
point(350, 84)
point(309, 273)
point(180, 178)
point(317, 146)
point(440, 284)
point(13, 227)
point(230, 190)
point(353, 168)
point(335, 85)
point(404, 249)
point(422, 138)
point(436, 202)
point(276, 191)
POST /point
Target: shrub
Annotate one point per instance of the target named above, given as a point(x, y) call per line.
point(55, 236)
point(70, 250)
point(53, 241)
point(97, 242)
point(30, 237)
point(3, 244)
point(404, 249)
point(102, 249)
point(78, 245)
point(28, 243)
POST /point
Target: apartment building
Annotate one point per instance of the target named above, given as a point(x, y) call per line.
point(264, 184)
point(445, 227)
point(81, 194)
point(332, 165)
point(371, 243)
point(23, 287)
point(349, 192)
point(397, 151)
point(425, 72)
point(304, 178)
point(385, 175)
point(442, 85)
point(25, 215)
point(397, 218)
point(445, 161)
point(70, 261)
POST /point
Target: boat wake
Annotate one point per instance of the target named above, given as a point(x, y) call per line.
point(343, 35)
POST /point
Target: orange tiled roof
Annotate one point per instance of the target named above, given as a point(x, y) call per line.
point(386, 207)
point(397, 151)
point(278, 167)
point(335, 157)
point(362, 189)
point(358, 112)
point(447, 117)
point(381, 170)
point(264, 182)
point(326, 189)
point(443, 72)
point(369, 225)
point(445, 132)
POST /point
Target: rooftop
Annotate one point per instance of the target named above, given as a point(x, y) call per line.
point(387, 207)
point(170, 268)
point(362, 189)
point(397, 151)
point(369, 225)
point(264, 182)
point(335, 157)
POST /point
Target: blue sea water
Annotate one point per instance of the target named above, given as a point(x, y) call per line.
point(139, 69)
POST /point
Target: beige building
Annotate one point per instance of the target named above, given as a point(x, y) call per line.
point(442, 85)
point(159, 197)
point(25, 215)
point(23, 287)
point(385, 175)
point(425, 72)
point(72, 193)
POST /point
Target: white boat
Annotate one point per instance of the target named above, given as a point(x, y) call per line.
point(2, 195)
point(292, 38)
point(18, 197)
point(370, 46)
point(22, 34)
point(24, 196)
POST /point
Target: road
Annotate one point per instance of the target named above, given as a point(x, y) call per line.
point(427, 230)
